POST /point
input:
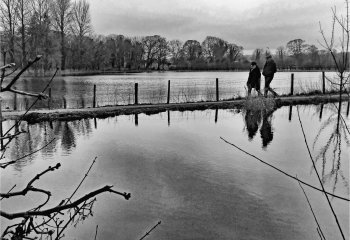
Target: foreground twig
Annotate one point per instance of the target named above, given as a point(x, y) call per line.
point(319, 229)
point(285, 173)
point(318, 176)
point(5, 164)
point(60, 208)
point(147, 233)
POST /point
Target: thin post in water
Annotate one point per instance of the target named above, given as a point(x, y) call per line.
point(136, 93)
point(290, 113)
point(168, 118)
point(216, 114)
point(292, 84)
point(94, 99)
point(321, 111)
point(323, 83)
point(168, 98)
point(136, 119)
point(217, 89)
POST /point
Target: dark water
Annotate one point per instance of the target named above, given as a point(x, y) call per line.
point(180, 172)
point(77, 92)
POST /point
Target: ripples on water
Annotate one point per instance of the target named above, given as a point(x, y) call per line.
point(180, 172)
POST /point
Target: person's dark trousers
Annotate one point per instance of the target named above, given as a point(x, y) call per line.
point(268, 80)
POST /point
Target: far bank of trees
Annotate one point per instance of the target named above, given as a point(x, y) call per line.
point(60, 31)
point(297, 54)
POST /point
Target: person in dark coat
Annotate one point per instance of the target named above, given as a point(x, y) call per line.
point(269, 71)
point(254, 79)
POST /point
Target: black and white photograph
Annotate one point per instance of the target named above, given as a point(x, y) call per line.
point(174, 119)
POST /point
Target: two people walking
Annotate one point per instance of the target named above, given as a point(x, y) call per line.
point(268, 72)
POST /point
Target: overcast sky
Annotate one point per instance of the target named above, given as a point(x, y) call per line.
point(249, 23)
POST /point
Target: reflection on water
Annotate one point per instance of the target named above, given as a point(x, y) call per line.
point(329, 141)
point(180, 172)
point(253, 118)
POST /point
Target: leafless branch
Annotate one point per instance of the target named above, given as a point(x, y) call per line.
point(30, 63)
point(60, 208)
point(281, 171)
point(5, 164)
point(29, 186)
point(318, 176)
point(147, 233)
point(312, 211)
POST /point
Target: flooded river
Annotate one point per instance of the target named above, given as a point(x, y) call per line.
point(77, 91)
point(180, 172)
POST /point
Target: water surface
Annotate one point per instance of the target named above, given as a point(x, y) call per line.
point(180, 172)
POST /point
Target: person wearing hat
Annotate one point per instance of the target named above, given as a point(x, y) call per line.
point(254, 79)
point(268, 72)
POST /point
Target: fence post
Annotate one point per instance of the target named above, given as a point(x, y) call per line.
point(49, 101)
point(217, 89)
point(136, 93)
point(15, 101)
point(323, 83)
point(94, 99)
point(168, 99)
point(292, 84)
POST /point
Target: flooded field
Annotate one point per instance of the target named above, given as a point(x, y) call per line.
point(180, 172)
point(77, 92)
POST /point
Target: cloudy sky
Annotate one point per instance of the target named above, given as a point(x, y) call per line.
point(249, 23)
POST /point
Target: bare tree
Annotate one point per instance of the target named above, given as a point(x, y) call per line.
point(175, 50)
point(81, 24)
point(341, 31)
point(8, 20)
point(23, 17)
point(150, 49)
point(61, 14)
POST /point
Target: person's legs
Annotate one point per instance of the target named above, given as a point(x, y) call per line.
point(268, 80)
point(249, 89)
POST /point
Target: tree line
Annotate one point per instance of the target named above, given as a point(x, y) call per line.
point(61, 31)
point(297, 54)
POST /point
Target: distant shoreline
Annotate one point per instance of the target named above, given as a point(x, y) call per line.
point(69, 73)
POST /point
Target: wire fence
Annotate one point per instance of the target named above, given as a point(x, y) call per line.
point(83, 95)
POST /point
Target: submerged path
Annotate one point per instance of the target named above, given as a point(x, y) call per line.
point(103, 112)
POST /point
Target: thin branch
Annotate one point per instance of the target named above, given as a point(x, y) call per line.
point(313, 213)
point(36, 100)
point(10, 65)
point(5, 164)
point(281, 171)
point(60, 208)
point(96, 232)
point(29, 186)
point(147, 233)
point(318, 176)
point(30, 63)
point(10, 136)
point(40, 96)
point(9, 191)
point(86, 174)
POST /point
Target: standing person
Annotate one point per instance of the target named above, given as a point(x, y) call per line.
point(254, 79)
point(268, 72)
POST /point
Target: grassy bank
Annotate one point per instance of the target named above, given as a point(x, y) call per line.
point(104, 112)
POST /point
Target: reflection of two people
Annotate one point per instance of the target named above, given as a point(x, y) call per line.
point(253, 119)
